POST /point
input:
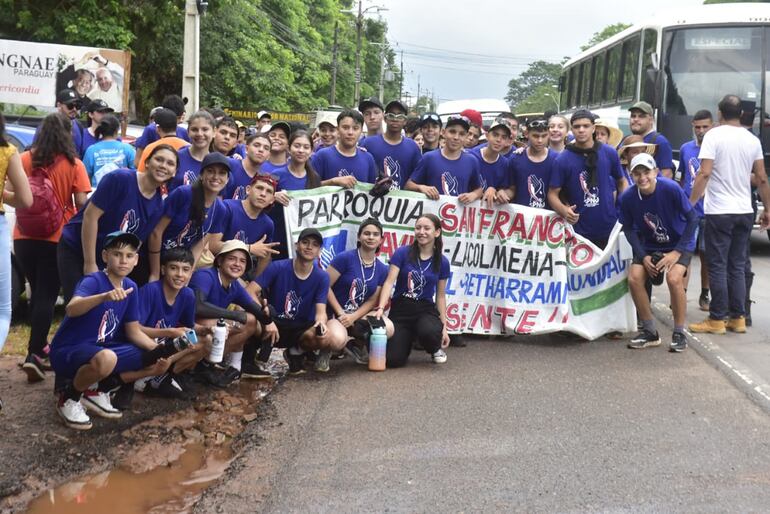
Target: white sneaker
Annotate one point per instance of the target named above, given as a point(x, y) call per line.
point(322, 361)
point(99, 403)
point(439, 357)
point(73, 414)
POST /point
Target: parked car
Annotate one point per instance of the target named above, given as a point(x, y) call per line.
point(20, 136)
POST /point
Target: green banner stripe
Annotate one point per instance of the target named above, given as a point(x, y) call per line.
point(600, 299)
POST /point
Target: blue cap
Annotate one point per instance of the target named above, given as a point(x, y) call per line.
point(114, 238)
point(215, 158)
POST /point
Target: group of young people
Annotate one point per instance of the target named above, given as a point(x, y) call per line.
point(159, 243)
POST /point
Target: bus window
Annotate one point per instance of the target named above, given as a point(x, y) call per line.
point(564, 92)
point(648, 68)
point(597, 92)
point(585, 79)
point(572, 88)
point(613, 66)
point(701, 65)
point(630, 67)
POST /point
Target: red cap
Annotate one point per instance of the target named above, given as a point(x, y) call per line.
point(474, 116)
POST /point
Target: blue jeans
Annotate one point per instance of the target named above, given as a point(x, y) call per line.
point(5, 280)
point(726, 252)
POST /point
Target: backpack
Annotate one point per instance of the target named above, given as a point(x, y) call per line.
point(44, 217)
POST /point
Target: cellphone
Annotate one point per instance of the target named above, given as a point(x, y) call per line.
point(191, 336)
point(375, 323)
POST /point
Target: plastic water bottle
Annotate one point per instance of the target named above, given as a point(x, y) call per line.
point(378, 344)
point(218, 342)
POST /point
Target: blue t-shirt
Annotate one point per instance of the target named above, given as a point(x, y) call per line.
point(595, 205)
point(531, 179)
point(150, 135)
point(269, 167)
point(395, 161)
point(103, 322)
point(293, 298)
point(330, 163)
point(450, 177)
point(125, 208)
point(356, 283)
point(86, 142)
point(207, 282)
point(238, 225)
point(418, 281)
point(188, 171)
point(181, 230)
point(155, 312)
point(287, 181)
point(107, 156)
point(664, 156)
point(492, 174)
point(690, 166)
point(236, 184)
point(660, 218)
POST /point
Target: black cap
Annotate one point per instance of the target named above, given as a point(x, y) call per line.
point(310, 232)
point(215, 158)
point(117, 237)
point(281, 125)
point(369, 102)
point(396, 103)
point(430, 117)
point(66, 96)
point(99, 105)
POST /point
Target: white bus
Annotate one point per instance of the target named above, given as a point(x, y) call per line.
point(680, 62)
point(490, 108)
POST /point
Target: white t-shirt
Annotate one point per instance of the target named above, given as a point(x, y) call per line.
point(733, 150)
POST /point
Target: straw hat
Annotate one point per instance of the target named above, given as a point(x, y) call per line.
point(616, 135)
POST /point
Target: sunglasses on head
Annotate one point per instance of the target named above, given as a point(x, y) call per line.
point(538, 124)
point(456, 117)
point(395, 117)
point(72, 105)
point(431, 117)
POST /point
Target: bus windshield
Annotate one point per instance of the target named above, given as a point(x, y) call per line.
point(700, 66)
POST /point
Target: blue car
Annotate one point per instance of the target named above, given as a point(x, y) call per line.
point(20, 136)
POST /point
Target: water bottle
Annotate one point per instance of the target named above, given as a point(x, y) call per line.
point(378, 344)
point(218, 342)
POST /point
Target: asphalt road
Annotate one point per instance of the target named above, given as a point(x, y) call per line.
point(536, 424)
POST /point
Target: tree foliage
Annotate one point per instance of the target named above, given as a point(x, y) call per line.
point(606, 33)
point(537, 75)
point(274, 54)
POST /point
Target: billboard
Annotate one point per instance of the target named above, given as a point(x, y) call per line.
point(32, 73)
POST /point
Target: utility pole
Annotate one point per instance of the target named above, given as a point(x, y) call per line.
point(418, 90)
point(333, 95)
point(401, 78)
point(191, 63)
point(359, 27)
point(382, 73)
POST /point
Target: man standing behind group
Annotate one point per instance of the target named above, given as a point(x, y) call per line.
point(344, 164)
point(729, 153)
point(371, 109)
point(642, 124)
point(395, 156)
point(430, 128)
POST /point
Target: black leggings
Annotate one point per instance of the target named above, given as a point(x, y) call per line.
point(70, 263)
point(413, 319)
point(38, 262)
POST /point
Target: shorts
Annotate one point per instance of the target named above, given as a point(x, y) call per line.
point(290, 331)
point(67, 360)
point(684, 259)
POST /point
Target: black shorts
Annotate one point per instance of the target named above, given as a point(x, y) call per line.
point(684, 259)
point(290, 331)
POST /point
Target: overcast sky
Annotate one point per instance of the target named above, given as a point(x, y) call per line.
point(497, 38)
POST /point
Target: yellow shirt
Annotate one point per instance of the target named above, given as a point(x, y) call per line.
point(5, 156)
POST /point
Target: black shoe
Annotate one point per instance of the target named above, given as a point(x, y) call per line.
point(206, 373)
point(33, 367)
point(255, 371)
point(678, 342)
point(122, 398)
point(296, 362)
point(229, 377)
point(747, 317)
point(457, 340)
point(164, 386)
point(185, 379)
point(644, 339)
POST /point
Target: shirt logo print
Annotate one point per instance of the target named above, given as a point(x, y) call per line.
point(590, 194)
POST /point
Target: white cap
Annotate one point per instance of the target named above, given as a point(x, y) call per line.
point(643, 159)
point(327, 117)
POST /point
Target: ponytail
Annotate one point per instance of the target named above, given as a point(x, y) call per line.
point(108, 127)
point(198, 203)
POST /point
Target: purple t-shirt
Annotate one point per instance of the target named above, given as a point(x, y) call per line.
point(238, 225)
point(356, 283)
point(207, 282)
point(450, 177)
point(188, 171)
point(155, 312)
point(236, 184)
point(293, 298)
point(492, 174)
point(531, 179)
point(330, 163)
point(150, 135)
point(182, 231)
point(396, 161)
point(690, 166)
point(417, 280)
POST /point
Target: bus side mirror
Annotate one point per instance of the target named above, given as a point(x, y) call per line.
point(655, 60)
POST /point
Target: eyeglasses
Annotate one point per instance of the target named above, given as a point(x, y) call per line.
point(71, 105)
point(456, 117)
point(395, 117)
point(538, 124)
point(431, 117)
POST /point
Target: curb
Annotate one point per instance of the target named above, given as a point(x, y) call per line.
point(736, 371)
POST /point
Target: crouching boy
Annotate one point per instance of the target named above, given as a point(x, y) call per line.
point(659, 223)
point(99, 345)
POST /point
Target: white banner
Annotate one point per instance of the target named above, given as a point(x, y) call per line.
point(515, 269)
point(33, 73)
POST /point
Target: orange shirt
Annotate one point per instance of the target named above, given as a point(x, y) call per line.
point(176, 142)
point(67, 180)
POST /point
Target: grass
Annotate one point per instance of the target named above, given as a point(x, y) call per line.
point(18, 335)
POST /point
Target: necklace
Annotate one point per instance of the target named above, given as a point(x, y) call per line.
point(427, 266)
point(363, 275)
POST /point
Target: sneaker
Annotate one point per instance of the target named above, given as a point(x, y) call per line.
point(99, 403)
point(704, 302)
point(122, 398)
point(457, 340)
point(33, 367)
point(439, 356)
point(73, 414)
point(229, 377)
point(255, 371)
point(164, 386)
point(644, 339)
point(678, 342)
point(737, 325)
point(206, 373)
point(357, 351)
point(710, 326)
point(296, 363)
point(322, 362)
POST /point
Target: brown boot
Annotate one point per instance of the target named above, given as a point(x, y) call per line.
point(736, 325)
point(710, 326)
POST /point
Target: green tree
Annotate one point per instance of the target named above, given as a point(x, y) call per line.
point(544, 98)
point(606, 33)
point(538, 74)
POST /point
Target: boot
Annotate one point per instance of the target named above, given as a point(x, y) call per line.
point(747, 307)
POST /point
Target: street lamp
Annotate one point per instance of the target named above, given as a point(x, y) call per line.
point(556, 103)
point(359, 28)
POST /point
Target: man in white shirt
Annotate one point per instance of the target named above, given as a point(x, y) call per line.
point(728, 156)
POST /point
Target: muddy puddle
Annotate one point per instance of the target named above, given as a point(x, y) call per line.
point(169, 463)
